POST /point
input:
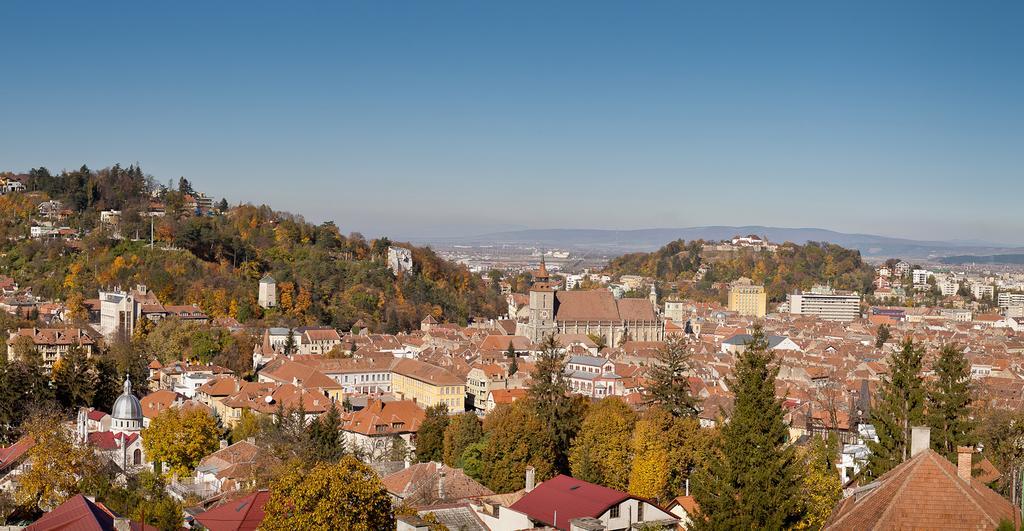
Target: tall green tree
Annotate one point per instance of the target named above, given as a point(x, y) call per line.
point(949, 400)
point(753, 480)
point(74, 379)
point(325, 442)
point(515, 439)
point(900, 407)
point(430, 437)
point(559, 411)
point(668, 385)
point(883, 335)
point(462, 431)
point(21, 385)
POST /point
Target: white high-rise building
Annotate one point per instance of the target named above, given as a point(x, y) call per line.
point(825, 304)
point(1007, 299)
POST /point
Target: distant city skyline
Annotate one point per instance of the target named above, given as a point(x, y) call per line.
point(462, 118)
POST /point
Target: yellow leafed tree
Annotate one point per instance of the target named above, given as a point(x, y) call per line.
point(58, 464)
point(178, 438)
point(649, 475)
point(343, 496)
point(600, 453)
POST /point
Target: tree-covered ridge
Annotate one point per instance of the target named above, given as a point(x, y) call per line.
point(790, 267)
point(215, 260)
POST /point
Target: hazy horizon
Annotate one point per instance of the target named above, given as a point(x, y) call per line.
point(456, 119)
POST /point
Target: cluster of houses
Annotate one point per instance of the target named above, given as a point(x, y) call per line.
point(828, 373)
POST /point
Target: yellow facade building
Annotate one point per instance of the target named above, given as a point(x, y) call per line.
point(747, 298)
point(428, 385)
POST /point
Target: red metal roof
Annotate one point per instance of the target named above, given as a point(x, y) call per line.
point(78, 513)
point(568, 497)
point(243, 514)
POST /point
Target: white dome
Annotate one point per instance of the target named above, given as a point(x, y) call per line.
point(127, 407)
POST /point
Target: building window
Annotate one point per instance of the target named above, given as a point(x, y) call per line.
point(640, 511)
point(614, 512)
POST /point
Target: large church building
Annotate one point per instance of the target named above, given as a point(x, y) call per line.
point(597, 312)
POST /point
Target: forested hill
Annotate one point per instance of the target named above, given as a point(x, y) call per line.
point(215, 257)
point(789, 268)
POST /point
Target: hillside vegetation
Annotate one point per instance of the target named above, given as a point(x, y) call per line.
point(215, 260)
point(790, 268)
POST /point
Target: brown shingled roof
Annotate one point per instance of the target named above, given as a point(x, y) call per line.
point(924, 492)
point(591, 305)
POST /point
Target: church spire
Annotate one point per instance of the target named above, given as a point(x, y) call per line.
point(542, 272)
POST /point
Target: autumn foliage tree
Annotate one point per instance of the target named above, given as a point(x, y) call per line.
point(58, 463)
point(601, 452)
point(344, 496)
point(666, 450)
point(179, 438)
point(820, 488)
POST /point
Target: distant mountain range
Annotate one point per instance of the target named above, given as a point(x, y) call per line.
point(645, 240)
point(997, 259)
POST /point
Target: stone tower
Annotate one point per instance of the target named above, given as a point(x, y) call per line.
point(268, 292)
point(542, 312)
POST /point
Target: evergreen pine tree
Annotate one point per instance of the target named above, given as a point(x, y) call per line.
point(513, 366)
point(669, 387)
point(290, 347)
point(883, 336)
point(325, 438)
point(949, 397)
point(557, 409)
point(900, 406)
point(753, 480)
point(74, 379)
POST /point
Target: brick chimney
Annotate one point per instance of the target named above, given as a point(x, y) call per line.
point(920, 439)
point(531, 478)
point(963, 462)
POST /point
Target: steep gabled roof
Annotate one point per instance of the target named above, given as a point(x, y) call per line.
point(924, 492)
point(78, 513)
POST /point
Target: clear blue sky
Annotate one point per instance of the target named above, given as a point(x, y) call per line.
point(429, 118)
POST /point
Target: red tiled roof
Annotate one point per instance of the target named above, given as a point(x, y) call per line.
point(14, 452)
point(426, 373)
point(108, 440)
point(570, 497)
point(383, 418)
point(924, 492)
point(594, 305)
point(79, 513)
point(244, 514)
